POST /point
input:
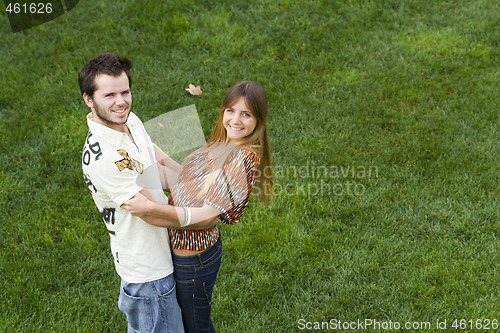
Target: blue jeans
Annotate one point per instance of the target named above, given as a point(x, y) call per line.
point(151, 306)
point(195, 276)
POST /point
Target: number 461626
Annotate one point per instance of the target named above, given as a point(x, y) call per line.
point(32, 8)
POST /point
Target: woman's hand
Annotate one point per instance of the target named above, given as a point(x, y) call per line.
point(138, 205)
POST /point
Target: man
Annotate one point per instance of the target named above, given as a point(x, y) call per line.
point(119, 160)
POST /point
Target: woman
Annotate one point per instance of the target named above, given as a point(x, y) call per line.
point(216, 180)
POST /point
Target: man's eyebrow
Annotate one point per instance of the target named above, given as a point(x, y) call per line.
point(114, 93)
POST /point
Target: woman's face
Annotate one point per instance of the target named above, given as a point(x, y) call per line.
point(238, 121)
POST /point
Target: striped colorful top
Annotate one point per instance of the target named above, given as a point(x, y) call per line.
point(220, 175)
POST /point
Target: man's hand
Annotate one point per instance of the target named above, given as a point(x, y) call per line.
point(138, 205)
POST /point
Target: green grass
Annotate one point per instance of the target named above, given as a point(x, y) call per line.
point(407, 87)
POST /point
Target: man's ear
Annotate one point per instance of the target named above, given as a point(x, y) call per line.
point(88, 100)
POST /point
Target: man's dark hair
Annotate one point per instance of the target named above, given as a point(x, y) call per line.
point(105, 63)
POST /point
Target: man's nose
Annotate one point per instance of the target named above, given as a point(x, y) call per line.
point(120, 100)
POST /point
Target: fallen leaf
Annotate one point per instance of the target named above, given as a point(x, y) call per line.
point(194, 90)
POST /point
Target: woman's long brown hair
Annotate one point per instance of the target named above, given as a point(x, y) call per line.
point(256, 101)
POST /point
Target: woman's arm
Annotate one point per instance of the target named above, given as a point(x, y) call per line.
point(168, 168)
point(166, 160)
point(143, 206)
point(168, 177)
point(161, 222)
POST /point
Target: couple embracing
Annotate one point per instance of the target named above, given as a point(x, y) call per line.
point(168, 251)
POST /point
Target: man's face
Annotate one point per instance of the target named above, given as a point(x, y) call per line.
point(111, 102)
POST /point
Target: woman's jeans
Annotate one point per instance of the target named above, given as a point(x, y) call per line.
point(151, 306)
point(195, 276)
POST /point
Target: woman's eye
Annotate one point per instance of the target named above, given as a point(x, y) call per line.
point(229, 110)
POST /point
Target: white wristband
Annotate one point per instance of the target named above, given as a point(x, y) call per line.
point(187, 217)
